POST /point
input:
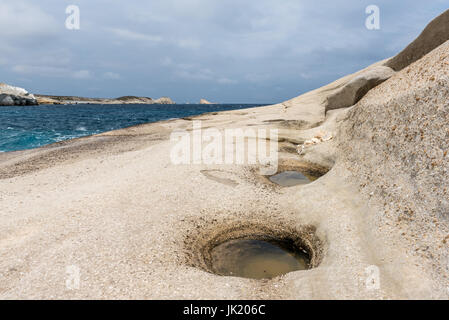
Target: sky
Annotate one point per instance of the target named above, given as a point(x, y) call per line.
point(227, 51)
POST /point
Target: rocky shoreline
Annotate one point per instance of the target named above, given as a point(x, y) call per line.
point(135, 225)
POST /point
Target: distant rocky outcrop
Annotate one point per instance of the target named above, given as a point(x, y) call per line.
point(48, 99)
point(435, 34)
point(164, 100)
point(15, 96)
point(204, 101)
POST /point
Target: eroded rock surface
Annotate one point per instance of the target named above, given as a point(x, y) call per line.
point(135, 224)
point(396, 142)
point(350, 93)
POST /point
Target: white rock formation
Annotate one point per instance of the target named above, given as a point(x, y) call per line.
point(204, 101)
point(13, 96)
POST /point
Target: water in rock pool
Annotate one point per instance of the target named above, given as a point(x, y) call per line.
point(257, 259)
point(34, 126)
point(291, 178)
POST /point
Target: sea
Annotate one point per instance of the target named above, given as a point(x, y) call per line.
point(35, 126)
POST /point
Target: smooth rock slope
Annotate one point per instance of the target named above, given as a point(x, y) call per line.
point(435, 34)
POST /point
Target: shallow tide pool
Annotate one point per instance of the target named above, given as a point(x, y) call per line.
point(290, 178)
point(257, 259)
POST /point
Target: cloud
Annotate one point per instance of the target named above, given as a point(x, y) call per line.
point(190, 49)
point(134, 36)
point(195, 72)
point(81, 74)
point(257, 77)
point(189, 43)
point(24, 19)
point(226, 81)
point(166, 61)
point(47, 71)
point(111, 76)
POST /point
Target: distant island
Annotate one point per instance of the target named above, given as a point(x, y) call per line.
point(15, 96)
point(48, 99)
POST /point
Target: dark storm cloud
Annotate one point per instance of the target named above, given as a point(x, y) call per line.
point(229, 51)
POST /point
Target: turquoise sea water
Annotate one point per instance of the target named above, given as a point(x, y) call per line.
point(34, 126)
